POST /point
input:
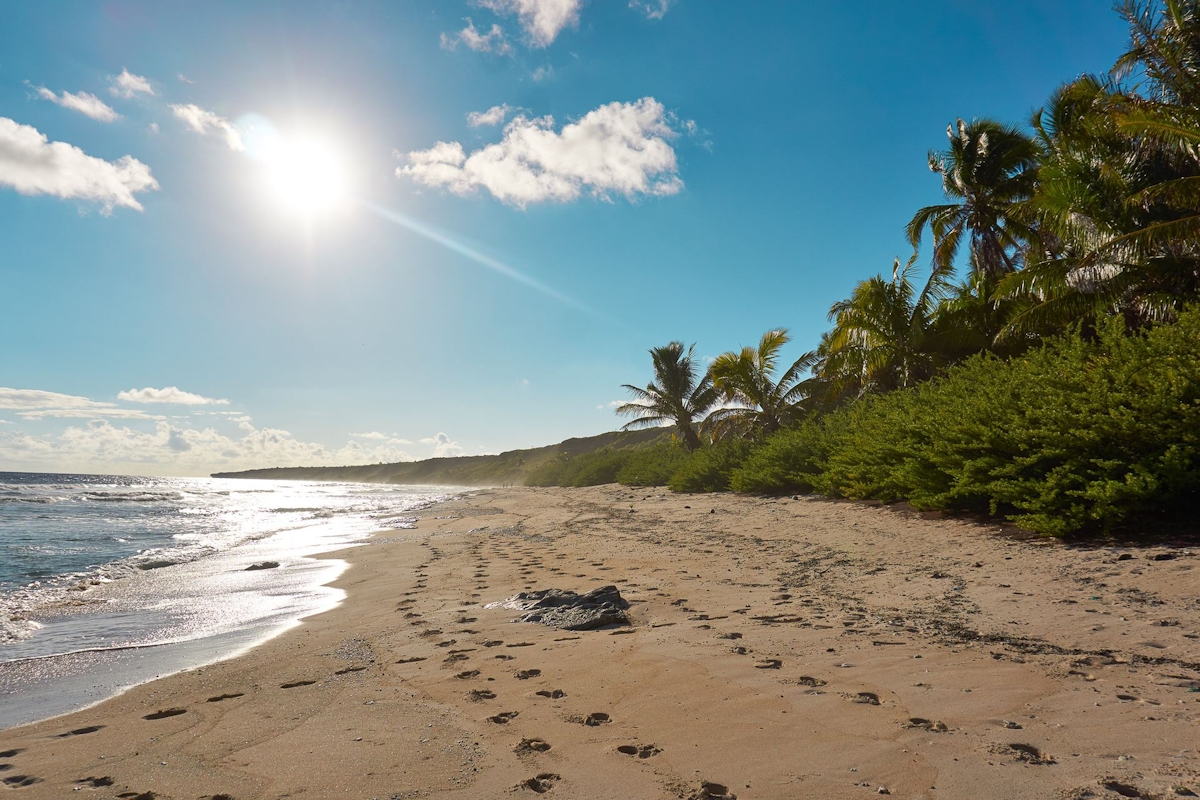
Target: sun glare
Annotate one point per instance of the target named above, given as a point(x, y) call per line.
point(306, 176)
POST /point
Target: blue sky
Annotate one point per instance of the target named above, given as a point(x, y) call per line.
point(693, 169)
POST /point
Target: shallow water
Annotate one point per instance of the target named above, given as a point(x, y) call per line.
point(108, 581)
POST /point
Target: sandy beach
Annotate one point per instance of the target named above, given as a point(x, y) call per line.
point(779, 648)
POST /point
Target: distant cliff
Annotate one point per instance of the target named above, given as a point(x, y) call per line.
point(505, 468)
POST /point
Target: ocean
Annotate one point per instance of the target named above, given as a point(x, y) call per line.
point(108, 581)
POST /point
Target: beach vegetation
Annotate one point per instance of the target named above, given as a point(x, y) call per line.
point(1046, 371)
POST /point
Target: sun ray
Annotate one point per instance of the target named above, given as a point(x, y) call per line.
point(436, 236)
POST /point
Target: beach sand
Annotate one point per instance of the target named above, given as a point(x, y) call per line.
point(780, 648)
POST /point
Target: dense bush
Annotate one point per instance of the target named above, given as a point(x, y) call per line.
point(652, 466)
point(1079, 433)
point(709, 469)
point(633, 466)
point(795, 459)
point(587, 469)
point(1075, 434)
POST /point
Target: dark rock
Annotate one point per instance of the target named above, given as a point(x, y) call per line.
point(570, 611)
point(262, 565)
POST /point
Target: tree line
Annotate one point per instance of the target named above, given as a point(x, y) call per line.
point(1056, 241)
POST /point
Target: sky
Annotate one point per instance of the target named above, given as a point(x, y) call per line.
point(251, 234)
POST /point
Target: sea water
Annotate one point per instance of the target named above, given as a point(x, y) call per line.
point(108, 581)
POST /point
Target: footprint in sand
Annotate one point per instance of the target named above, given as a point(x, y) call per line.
point(13, 753)
point(476, 695)
point(503, 657)
point(641, 751)
point(769, 663)
point(592, 720)
point(1026, 753)
point(933, 726)
point(526, 674)
point(96, 783)
point(168, 712)
point(454, 658)
point(348, 670)
point(808, 680)
point(493, 643)
point(540, 783)
point(137, 796)
point(1125, 790)
point(412, 660)
point(712, 791)
point(467, 675)
point(553, 694)
point(295, 684)
point(76, 732)
point(528, 746)
point(520, 644)
point(865, 698)
point(504, 717)
point(21, 781)
point(229, 696)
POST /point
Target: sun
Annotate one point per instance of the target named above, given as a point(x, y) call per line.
point(306, 176)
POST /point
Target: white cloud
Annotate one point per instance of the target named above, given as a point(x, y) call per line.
point(542, 20)
point(203, 121)
point(493, 116)
point(542, 73)
point(619, 148)
point(39, 404)
point(127, 84)
point(653, 9)
point(184, 78)
point(380, 437)
point(101, 446)
point(493, 41)
point(31, 164)
point(442, 446)
point(152, 127)
point(169, 394)
point(87, 104)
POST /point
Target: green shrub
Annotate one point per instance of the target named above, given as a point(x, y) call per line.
point(1072, 435)
point(793, 459)
point(550, 473)
point(709, 469)
point(600, 467)
point(652, 466)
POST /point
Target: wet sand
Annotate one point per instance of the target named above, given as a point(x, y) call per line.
point(778, 649)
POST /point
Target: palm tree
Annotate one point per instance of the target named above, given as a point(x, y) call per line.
point(758, 403)
point(677, 395)
point(987, 171)
point(1120, 185)
point(885, 335)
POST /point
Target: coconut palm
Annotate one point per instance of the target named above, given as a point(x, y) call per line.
point(1120, 184)
point(679, 395)
point(885, 335)
point(987, 171)
point(757, 402)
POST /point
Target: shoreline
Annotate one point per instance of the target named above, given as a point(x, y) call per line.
point(779, 648)
point(96, 644)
